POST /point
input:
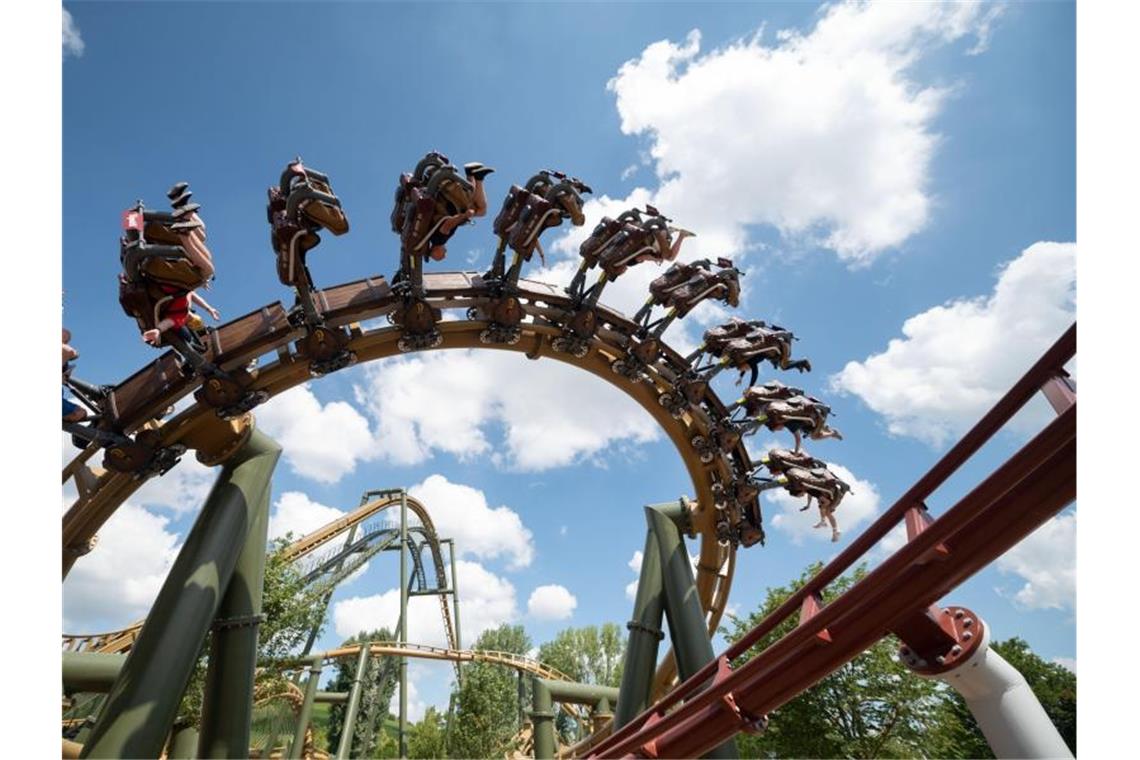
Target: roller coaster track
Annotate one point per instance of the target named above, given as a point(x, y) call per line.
point(517, 662)
point(120, 641)
point(140, 401)
point(898, 596)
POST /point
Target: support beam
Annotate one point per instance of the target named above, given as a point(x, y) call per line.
point(688, 630)
point(542, 718)
point(93, 672)
point(1006, 709)
point(227, 700)
point(403, 730)
point(143, 703)
point(331, 697)
point(345, 746)
point(306, 714)
point(645, 635)
point(546, 692)
point(184, 743)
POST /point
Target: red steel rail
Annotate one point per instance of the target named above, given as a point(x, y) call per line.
point(1034, 484)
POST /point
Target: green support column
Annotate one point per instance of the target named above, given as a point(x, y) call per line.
point(345, 746)
point(298, 745)
point(601, 715)
point(93, 672)
point(692, 647)
point(184, 743)
point(455, 597)
point(227, 700)
point(542, 718)
point(644, 637)
point(141, 706)
point(403, 736)
point(522, 702)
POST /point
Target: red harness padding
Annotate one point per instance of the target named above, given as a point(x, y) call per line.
point(177, 309)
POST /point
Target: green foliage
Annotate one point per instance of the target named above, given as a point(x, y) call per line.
point(486, 714)
point(587, 655)
point(427, 739)
point(377, 686)
point(1054, 685)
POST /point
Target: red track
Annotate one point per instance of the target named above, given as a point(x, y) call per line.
point(1033, 485)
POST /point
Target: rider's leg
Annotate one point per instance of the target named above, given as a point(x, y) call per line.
point(198, 254)
point(799, 440)
point(676, 248)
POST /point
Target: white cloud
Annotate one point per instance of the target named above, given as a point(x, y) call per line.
point(72, 39)
point(1047, 561)
point(181, 490)
point(825, 135)
point(416, 705)
point(1068, 663)
point(634, 564)
point(295, 512)
point(322, 442)
point(487, 602)
point(957, 359)
point(857, 507)
point(551, 602)
point(551, 415)
point(461, 512)
point(116, 584)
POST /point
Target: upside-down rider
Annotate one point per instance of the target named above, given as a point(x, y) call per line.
point(437, 243)
point(801, 415)
point(762, 343)
point(821, 484)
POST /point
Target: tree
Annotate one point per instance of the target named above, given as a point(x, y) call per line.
point(1054, 685)
point(426, 739)
point(486, 711)
point(870, 707)
point(378, 684)
point(587, 655)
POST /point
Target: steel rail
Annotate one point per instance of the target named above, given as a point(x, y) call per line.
point(463, 291)
point(1034, 484)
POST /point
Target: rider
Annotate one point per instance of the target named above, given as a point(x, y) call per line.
point(175, 315)
point(72, 412)
point(437, 244)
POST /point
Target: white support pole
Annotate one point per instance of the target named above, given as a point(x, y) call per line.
point(1007, 710)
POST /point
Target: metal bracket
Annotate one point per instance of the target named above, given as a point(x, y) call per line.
point(633, 625)
point(237, 622)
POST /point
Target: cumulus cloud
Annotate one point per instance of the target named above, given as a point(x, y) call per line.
point(181, 490)
point(117, 583)
point(857, 507)
point(550, 414)
point(955, 360)
point(634, 564)
point(461, 512)
point(72, 39)
point(825, 135)
point(487, 601)
point(294, 512)
point(322, 442)
point(1047, 561)
point(551, 602)
point(416, 704)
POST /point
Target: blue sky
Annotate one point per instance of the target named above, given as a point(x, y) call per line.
point(873, 169)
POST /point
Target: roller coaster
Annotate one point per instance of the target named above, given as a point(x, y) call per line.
point(692, 702)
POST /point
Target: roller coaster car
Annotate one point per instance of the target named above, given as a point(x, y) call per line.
point(142, 456)
point(560, 201)
point(298, 207)
point(757, 396)
point(577, 331)
point(779, 461)
point(800, 414)
point(817, 481)
point(689, 390)
point(425, 198)
point(150, 249)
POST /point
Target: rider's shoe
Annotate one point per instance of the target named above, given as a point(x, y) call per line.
point(476, 170)
point(186, 210)
point(177, 190)
point(181, 228)
point(181, 200)
point(835, 536)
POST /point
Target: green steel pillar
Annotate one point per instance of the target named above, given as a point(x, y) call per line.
point(522, 701)
point(143, 703)
point(692, 647)
point(455, 596)
point(227, 699)
point(298, 745)
point(601, 715)
point(184, 743)
point(403, 745)
point(644, 637)
point(542, 718)
point(92, 672)
point(345, 746)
